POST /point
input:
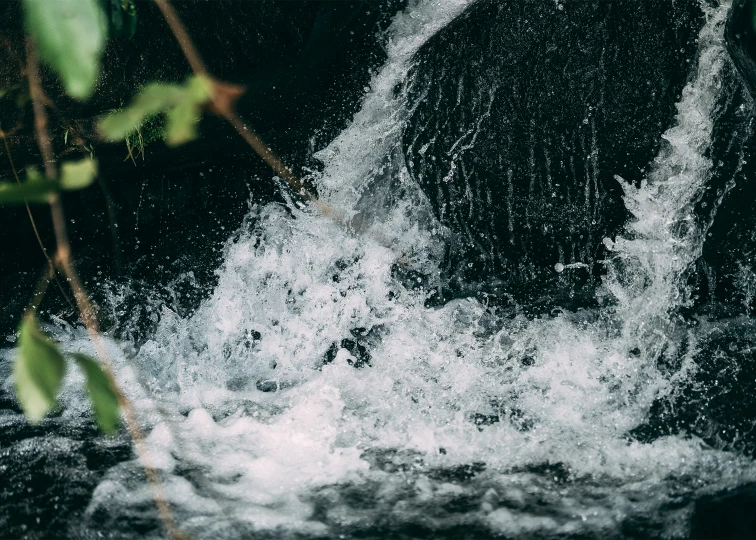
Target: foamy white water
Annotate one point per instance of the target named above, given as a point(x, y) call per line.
point(663, 237)
point(457, 406)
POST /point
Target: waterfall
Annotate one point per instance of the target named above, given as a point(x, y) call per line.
point(663, 237)
point(313, 395)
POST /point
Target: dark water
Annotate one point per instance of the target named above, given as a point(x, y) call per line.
point(540, 326)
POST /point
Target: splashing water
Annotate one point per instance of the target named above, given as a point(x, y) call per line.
point(447, 419)
point(664, 238)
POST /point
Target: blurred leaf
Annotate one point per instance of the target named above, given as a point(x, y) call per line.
point(153, 98)
point(36, 189)
point(37, 372)
point(181, 125)
point(78, 174)
point(181, 104)
point(104, 400)
point(198, 89)
point(70, 35)
point(182, 120)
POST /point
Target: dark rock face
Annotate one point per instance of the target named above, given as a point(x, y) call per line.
point(716, 396)
point(725, 274)
point(319, 90)
point(725, 515)
point(522, 115)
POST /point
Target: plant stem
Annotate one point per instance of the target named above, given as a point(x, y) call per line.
point(224, 107)
point(86, 309)
point(52, 272)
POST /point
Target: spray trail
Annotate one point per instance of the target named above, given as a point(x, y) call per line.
point(663, 237)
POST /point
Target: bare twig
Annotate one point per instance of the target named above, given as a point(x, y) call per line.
point(223, 96)
point(86, 309)
point(52, 272)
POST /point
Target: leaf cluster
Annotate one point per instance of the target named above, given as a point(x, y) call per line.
point(70, 37)
point(180, 103)
point(38, 374)
point(37, 189)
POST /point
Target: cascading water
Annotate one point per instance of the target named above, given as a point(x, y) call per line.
point(664, 238)
point(444, 422)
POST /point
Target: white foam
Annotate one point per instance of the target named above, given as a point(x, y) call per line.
point(565, 390)
point(663, 238)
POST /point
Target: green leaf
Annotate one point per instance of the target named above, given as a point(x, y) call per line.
point(36, 189)
point(37, 372)
point(198, 89)
point(182, 120)
point(104, 400)
point(70, 35)
point(181, 104)
point(181, 124)
point(78, 174)
point(154, 98)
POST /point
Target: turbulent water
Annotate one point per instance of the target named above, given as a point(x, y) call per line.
point(454, 421)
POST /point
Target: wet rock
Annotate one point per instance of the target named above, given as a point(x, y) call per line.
point(267, 385)
point(726, 273)
point(714, 392)
point(355, 350)
point(741, 41)
point(356, 355)
point(522, 113)
point(725, 515)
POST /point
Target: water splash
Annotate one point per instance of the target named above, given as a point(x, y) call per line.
point(438, 419)
point(664, 237)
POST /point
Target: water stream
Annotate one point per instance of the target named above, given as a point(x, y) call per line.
point(454, 421)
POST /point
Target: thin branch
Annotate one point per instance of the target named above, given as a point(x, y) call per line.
point(182, 36)
point(222, 104)
point(34, 225)
point(86, 309)
point(263, 150)
point(222, 99)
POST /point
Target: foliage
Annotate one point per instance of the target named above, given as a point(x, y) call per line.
point(38, 371)
point(121, 16)
point(151, 131)
point(78, 174)
point(38, 375)
point(70, 35)
point(73, 175)
point(36, 189)
point(104, 399)
point(181, 104)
